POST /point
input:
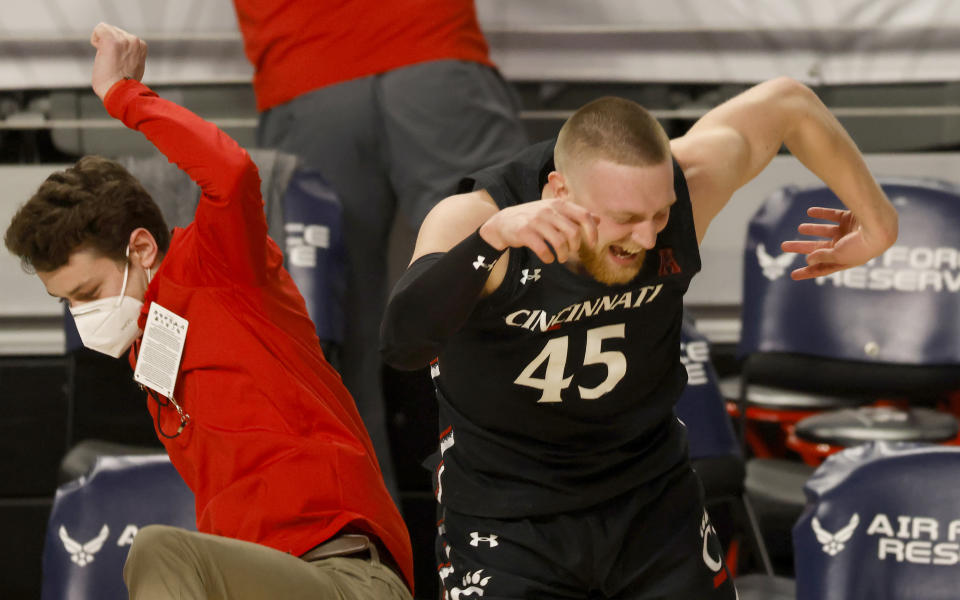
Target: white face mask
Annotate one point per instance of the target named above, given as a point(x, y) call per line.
point(109, 325)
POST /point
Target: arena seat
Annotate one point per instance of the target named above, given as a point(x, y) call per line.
point(714, 450)
point(849, 427)
point(882, 523)
point(888, 329)
point(887, 332)
point(95, 517)
point(81, 459)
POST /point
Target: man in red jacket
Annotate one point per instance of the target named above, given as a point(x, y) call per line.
point(393, 101)
point(290, 500)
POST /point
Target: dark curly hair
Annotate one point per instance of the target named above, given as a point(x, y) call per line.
point(94, 204)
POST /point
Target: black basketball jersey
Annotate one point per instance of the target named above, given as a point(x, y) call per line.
point(558, 392)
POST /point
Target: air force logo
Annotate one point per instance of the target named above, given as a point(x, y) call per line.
point(82, 554)
point(773, 267)
point(833, 543)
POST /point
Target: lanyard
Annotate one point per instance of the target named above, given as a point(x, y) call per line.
point(184, 417)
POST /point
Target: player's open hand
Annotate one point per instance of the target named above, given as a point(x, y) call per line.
point(120, 55)
point(846, 243)
point(541, 225)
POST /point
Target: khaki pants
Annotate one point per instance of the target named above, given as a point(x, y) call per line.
point(172, 563)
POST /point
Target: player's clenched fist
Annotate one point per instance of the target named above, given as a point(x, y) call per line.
point(560, 223)
point(120, 55)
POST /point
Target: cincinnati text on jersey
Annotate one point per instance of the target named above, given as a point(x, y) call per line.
point(538, 319)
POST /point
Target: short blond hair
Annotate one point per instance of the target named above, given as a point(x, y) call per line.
point(614, 129)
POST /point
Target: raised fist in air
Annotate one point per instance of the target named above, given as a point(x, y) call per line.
point(120, 55)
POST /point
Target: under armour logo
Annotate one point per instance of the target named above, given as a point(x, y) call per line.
point(833, 543)
point(773, 267)
point(476, 538)
point(82, 554)
point(668, 264)
point(527, 276)
point(478, 264)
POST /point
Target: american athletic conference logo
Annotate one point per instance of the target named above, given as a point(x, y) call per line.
point(668, 264)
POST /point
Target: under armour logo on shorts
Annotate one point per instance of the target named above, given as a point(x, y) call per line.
point(476, 538)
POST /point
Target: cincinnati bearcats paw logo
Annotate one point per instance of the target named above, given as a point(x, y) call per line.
point(473, 584)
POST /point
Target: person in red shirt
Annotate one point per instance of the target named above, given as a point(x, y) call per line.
point(393, 101)
point(290, 499)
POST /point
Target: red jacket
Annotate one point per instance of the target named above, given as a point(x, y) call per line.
point(276, 452)
point(297, 46)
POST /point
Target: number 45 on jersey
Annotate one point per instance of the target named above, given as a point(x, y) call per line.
point(554, 354)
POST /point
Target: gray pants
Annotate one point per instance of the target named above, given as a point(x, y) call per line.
point(170, 563)
point(400, 140)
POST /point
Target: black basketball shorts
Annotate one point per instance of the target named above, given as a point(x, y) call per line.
point(625, 548)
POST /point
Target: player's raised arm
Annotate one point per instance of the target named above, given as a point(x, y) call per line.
point(460, 257)
point(732, 143)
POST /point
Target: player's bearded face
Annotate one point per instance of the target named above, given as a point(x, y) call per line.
point(612, 264)
point(631, 206)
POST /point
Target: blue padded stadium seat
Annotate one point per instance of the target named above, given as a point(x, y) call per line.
point(890, 327)
point(887, 329)
point(882, 523)
point(95, 518)
point(700, 406)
